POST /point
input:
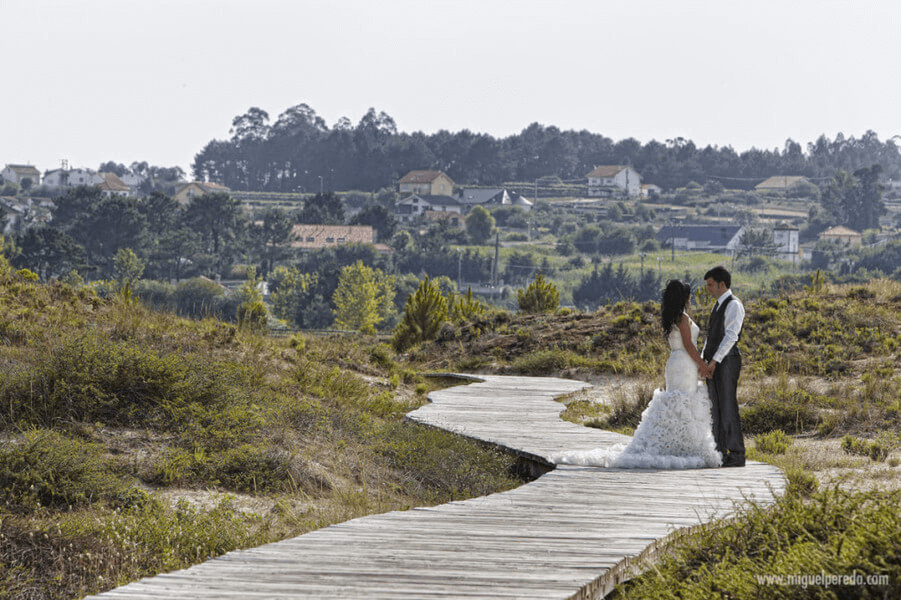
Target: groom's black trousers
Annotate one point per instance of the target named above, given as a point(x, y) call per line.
point(723, 387)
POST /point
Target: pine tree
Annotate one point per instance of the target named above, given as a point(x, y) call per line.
point(424, 314)
point(363, 299)
point(540, 297)
point(464, 307)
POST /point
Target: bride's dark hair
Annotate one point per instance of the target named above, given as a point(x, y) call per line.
point(675, 297)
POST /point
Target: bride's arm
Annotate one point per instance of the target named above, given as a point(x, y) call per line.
point(685, 330)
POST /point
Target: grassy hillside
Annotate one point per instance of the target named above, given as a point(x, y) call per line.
point(135, 442)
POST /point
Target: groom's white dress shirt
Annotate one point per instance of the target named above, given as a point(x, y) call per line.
point(734, 317)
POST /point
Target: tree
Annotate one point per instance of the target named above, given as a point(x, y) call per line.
point(173, 253)
point(541, 296)
point(128, 270)
point(271, 236)
point(363, 299)
point(219, 220)
point(117, 169)
point(162, 212)
point(322, 209)
point(464, 307)
point(521, 265)
point(49, 252)
point(479, 224)
point(757, 242)
point(113, 224)
point(379, 218)
point(855, 200)
point(74, 209)
point(424, 313)
point(867, 205)
point(291, 293)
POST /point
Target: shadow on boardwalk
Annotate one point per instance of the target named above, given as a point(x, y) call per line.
point(572, 533)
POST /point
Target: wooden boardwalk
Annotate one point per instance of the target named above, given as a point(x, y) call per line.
point(572, 533)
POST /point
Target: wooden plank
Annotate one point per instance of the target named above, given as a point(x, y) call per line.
point(569, 534)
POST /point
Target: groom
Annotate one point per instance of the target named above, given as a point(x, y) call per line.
point(724, 365)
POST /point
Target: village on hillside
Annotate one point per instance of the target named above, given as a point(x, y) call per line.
point(781, 205)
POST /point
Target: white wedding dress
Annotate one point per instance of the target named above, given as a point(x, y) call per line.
point(675, 431)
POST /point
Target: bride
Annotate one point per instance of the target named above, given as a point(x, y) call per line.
point(675, 431)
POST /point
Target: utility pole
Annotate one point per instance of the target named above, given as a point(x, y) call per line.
point(497, 240)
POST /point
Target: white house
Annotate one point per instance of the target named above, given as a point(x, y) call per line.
point(18, 173)
point(72, 177)
point(414, 206)
point(612, 181)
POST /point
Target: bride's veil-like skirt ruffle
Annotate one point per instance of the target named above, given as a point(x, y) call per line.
point(675, 433)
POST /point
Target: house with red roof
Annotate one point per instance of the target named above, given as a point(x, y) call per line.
point(613, 181)
point(185, 193)
point(426, 183)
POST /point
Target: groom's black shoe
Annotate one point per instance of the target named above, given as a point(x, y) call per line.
point(734, 459)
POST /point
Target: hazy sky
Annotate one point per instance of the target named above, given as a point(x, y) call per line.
point(90, 81)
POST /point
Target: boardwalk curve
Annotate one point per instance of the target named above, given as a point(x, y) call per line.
point(572, 533)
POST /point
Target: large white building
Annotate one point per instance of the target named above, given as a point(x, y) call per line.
point(613, 181)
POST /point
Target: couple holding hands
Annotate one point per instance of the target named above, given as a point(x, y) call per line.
point(691, 424)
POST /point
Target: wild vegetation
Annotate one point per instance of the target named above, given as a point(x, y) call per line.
point(820, 398)
point(135, 442)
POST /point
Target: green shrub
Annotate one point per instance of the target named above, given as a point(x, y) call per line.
point(91, 379)
point(248, 468)
point(774, 442)
point(46, 468)
point(380, 356)
point(836, 531)
point(541, 296)
point(877, 450)
point(777, 413)
point(546, 362)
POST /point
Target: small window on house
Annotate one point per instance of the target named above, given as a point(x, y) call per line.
point(340, 240)
point(310, 238)
point(330, 239)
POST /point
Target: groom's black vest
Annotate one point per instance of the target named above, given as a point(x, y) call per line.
point(716, 331)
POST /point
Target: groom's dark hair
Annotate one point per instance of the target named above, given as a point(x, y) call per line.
point(719, 274)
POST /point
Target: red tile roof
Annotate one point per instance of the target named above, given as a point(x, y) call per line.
point(421, 176)
point(606, 171)
point(312, 237)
